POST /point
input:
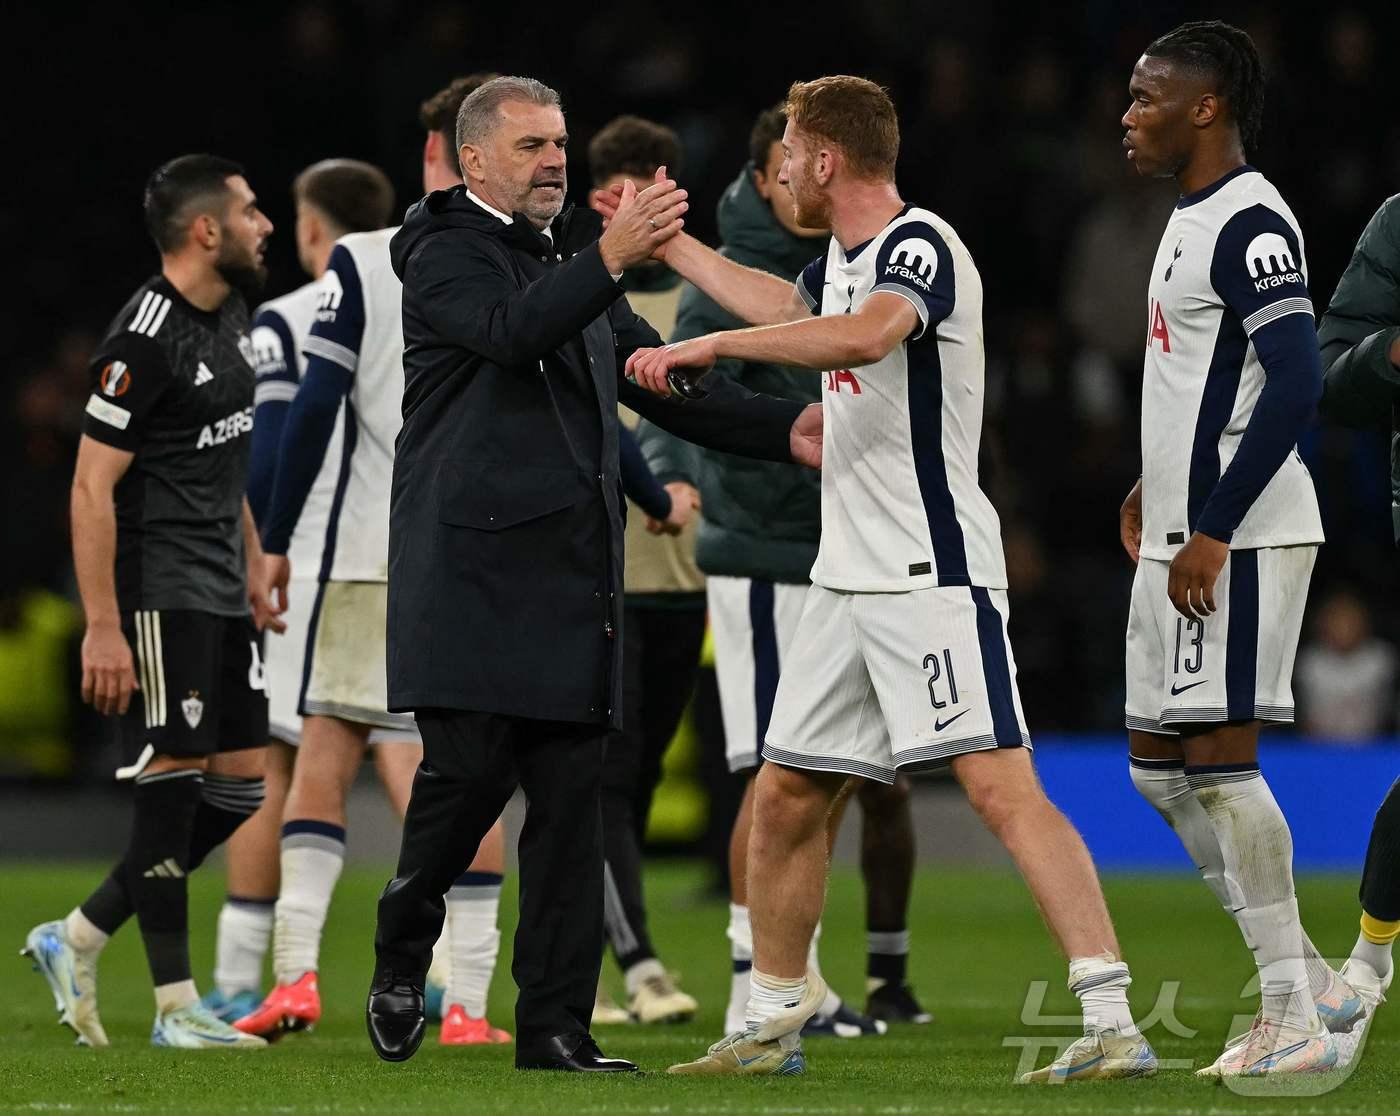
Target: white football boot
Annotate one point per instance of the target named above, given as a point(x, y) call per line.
point(1098, 1055)
point(195, 1027)
point(72, 977)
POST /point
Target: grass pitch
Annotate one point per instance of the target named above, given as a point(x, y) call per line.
point(979, 948)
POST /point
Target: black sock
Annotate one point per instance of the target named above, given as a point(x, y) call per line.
point(888, 954)
point(157, 868)
point(109, 906)
point(1380, 879)
point(226, 802)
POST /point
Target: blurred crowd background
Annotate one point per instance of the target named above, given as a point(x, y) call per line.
point(1010, 118)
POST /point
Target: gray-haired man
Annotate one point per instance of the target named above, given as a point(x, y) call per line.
point(505, 549)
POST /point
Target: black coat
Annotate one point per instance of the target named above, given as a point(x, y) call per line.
point(506, 514)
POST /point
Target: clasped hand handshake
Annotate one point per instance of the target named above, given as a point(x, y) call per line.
point(640, 225)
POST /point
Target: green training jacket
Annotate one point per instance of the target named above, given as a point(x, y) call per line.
point(761, 519)
point(1360, 386)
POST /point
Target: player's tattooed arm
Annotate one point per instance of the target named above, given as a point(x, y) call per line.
point(109, 672)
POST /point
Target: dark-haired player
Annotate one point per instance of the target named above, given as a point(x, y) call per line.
point(333, 198)
point(167, 562)
point(1224, 524)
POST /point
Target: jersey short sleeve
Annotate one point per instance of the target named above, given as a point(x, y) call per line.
point(1257, 269)
point(340, 313)
point(274, 358)
point(130, 374)
point(810, 282)
point(914, 263)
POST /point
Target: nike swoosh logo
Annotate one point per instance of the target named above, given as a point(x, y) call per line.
point(939, 726)
point(747, 1061)
point(1069, 1070)
point(1189, 686)
point(213, 1038)
point(1268, 1061)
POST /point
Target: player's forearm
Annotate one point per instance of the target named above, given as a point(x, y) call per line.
point(307, 433)
point(94, 521)
point(752, 295)
point(819, 343)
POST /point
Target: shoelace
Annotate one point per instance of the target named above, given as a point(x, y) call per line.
point(661, 985)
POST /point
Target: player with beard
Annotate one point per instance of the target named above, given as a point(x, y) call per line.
point(901, 659)
point(169, 569)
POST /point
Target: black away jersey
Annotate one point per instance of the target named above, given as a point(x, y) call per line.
point(173, 385)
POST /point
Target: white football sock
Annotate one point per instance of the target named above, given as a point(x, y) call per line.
point(1375, 954)
point(1257, 849)
point(770, 995)
point(1163, 783)
point(440, 968)
point(473, 903)
point(173, 997)
point(313, 854)
point(82, 934)
point(642, 971)
point(245, 931)
point(1101, 983)
point(740, 935)
point(832, 1003)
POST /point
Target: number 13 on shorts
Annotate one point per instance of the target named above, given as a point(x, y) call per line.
point(1190, 649)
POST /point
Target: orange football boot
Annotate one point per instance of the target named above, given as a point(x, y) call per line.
point(288, 1007)
point(460, 1029)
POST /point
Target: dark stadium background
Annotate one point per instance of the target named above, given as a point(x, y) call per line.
point(1010, 130)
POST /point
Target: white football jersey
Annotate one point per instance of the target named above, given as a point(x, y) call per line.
point(901, 506)
point(280, 328)
point(359, 326)
point(1231, 261)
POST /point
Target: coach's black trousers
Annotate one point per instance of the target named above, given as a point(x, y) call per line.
point(472, 763)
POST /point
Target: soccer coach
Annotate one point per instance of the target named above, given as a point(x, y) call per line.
point(505, 549)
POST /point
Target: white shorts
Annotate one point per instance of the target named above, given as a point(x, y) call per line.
point(289, 680)
point(752, 623)
point(1234, 665)
point(879, 682)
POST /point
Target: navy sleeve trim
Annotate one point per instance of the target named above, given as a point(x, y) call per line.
point(1257, 268)
point(1287, 348)
point(811, 282)
point(914, 261)
point(310, 423)
point(340, 313)
point(274, 350)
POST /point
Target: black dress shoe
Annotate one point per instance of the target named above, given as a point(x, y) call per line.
point(395, 1016)
point(571, 1053)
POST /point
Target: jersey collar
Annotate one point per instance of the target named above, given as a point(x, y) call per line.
point(1206, 191)
point(207, 318)
point(864, 244)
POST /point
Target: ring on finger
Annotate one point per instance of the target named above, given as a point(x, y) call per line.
point(652, 222)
